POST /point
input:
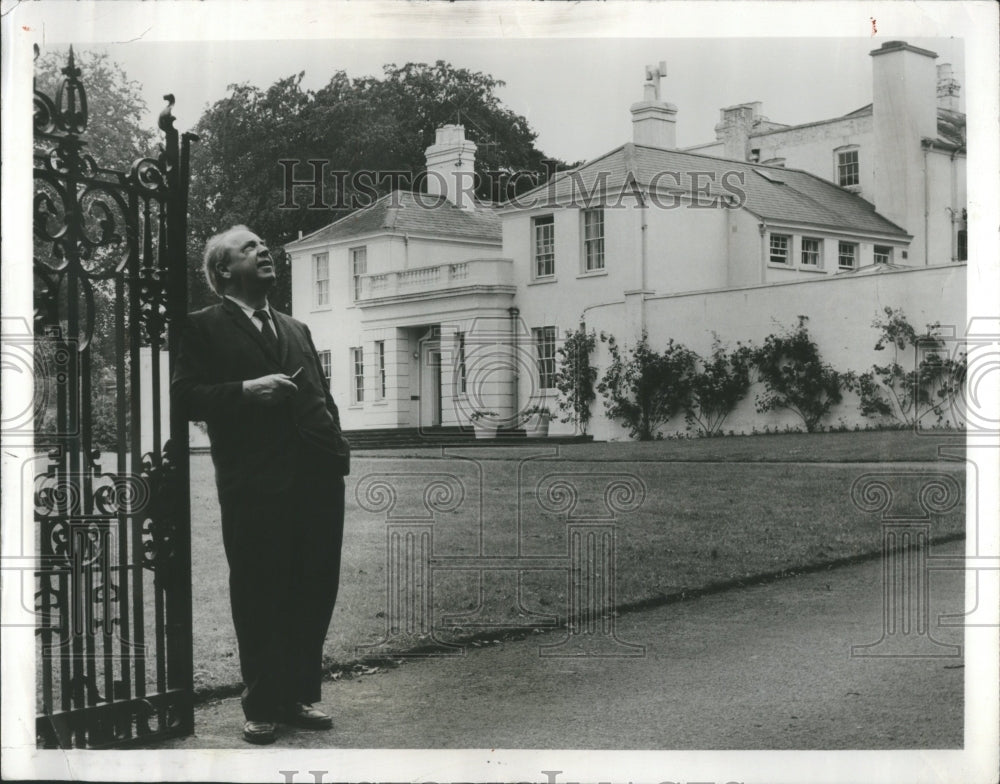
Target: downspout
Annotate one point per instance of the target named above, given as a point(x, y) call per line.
point(953, 210)
point(514, 313)
point(644, 253)
point(926, 206)
point(762, 228)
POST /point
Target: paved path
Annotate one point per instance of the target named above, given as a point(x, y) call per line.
point(766, 667)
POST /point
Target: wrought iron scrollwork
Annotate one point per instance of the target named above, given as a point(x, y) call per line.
point(114, 546)
point(161, 520)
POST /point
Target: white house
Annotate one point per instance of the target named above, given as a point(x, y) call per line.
point(904, 152)
point(431, 307)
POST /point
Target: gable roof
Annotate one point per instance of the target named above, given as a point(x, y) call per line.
point(402, 212)
point(771, 192)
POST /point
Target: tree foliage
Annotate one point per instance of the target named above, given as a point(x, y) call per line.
point(115, 135)
point(722, 381)
point(795, 377)
point(891, 391)
point(374, 124)
point(575, 377)
point(643, 388)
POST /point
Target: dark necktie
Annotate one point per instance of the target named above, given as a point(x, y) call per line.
point(266, 329)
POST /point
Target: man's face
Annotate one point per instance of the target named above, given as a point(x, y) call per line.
point(250, 267)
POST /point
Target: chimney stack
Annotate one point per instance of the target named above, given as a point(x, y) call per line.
point(451, 167)
point(654, 122)
point(736, 123)
point(948, 88)
point(904, 113)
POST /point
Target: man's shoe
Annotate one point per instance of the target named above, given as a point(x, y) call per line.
point(260, 732)
point(304, 715)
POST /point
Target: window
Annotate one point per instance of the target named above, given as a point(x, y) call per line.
point(779, 248)
point(811, 251)
point(847, 255)
point(380, 358)
point(963, 245)
point(593, 240)
point(848, 172)
point(461, 362)
point(358, 375)
point(545, 345)
point(324, 361)
point(321, 279)
point(883, 254)
point(359, 267)
point(544, 230)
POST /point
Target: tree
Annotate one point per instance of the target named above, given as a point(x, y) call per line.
point(795, 377)
point(115, 138)
point(644, 389)
point(369, 124)
point(722, 382)
point(576, 376)
point(890, 391)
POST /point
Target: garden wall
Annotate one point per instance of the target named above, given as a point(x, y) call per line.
point(840, 309)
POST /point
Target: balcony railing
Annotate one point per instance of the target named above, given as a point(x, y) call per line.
point(473, 273)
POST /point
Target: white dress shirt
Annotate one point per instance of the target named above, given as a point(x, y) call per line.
point(250, 313)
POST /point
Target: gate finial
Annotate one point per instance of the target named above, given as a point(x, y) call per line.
point(166, 122)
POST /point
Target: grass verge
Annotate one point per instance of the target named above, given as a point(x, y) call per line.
point(702, 527)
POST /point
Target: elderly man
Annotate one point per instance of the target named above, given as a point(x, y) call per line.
point(254, 377)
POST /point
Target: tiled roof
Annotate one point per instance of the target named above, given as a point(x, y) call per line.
point(402, 211)
point(772, 193)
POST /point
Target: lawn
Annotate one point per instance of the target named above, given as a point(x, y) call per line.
point(701, 524)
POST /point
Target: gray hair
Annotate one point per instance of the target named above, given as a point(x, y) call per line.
point(216, 251)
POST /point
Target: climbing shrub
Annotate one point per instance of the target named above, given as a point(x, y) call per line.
point(718, 385)
point(927, 389)
point(576, 377)
point(795, 377)
point(644, 388)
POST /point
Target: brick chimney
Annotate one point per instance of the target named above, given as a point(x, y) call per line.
point(736, 123)
point(948, 88)
point(904, 112)
point(451, 166)
point(654, 122)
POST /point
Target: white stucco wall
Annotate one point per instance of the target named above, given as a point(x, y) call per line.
point(840, 310)
point(812, 148)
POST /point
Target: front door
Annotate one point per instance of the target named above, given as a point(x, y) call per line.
point(430, 384)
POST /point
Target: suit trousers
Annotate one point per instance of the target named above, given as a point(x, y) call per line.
point(283, 550)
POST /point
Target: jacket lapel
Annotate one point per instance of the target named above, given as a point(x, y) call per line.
point(242, 322)
point(283, 331)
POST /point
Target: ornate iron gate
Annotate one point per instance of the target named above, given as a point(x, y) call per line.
point(112, 501)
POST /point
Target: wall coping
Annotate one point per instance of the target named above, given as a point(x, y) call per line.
point(812, 281)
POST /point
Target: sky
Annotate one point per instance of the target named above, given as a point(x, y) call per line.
point(575, 93)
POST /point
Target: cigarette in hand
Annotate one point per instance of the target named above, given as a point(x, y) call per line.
point(295, 373)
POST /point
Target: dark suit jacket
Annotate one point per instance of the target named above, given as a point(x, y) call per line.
point(254, 445)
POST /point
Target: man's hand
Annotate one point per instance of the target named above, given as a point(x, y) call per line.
point(269, 390)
